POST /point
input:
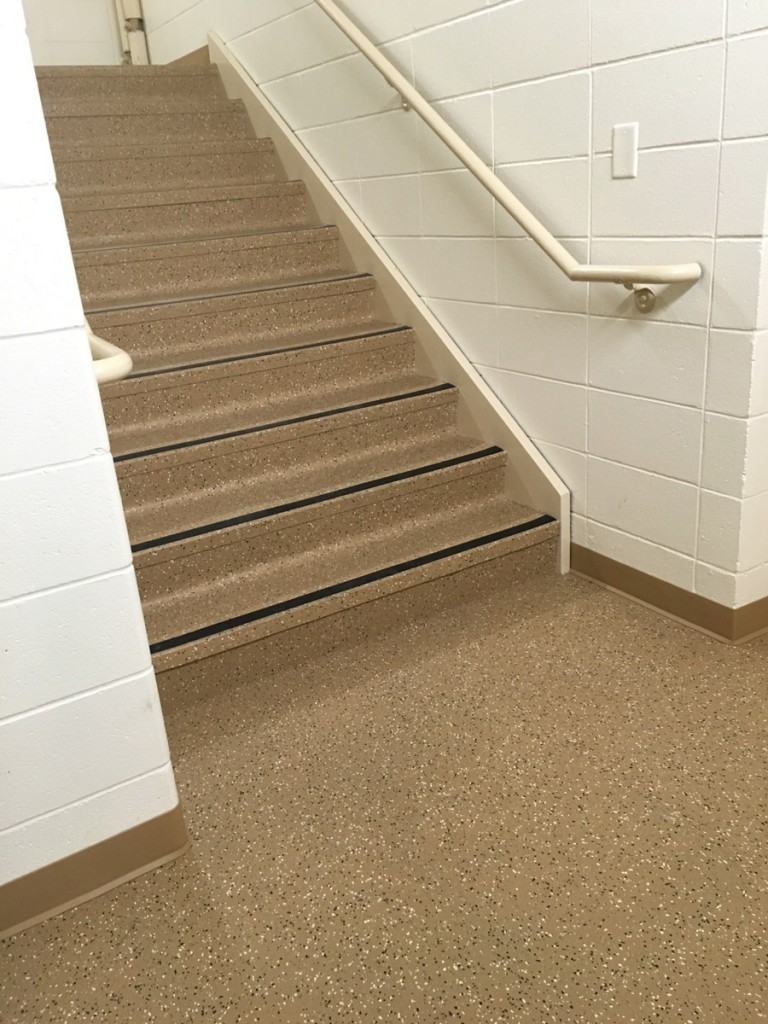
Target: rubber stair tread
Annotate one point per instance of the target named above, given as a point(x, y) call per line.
point(310, 569)
point(270, 488)
point(347, 401)
point(123, 151)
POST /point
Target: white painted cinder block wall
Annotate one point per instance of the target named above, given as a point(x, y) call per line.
point(658, 424)
point(83, 752)
point(73, 31)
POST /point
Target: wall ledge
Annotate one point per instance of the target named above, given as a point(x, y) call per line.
point(91, 872)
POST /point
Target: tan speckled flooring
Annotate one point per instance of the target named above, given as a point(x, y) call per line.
point(534, 802)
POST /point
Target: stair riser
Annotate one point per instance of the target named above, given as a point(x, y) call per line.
point(111, 129)
point(141, 225)
point(208, 490)
point(279, 557)
point(188, 677)
point(85, 177)
point(198, 405)
point(262, 320)
point(105, 284)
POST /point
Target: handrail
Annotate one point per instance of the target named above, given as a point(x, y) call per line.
point(635, 278)
point(110, 363)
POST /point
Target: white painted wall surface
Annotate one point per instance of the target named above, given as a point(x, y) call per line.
point(73, 31)
point(658, 424)
point(83, 753)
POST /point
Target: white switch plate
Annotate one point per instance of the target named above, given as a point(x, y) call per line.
point(625, 141)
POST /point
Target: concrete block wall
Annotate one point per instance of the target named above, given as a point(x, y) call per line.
point(656, 423)
point(73, 31)
point(83, 752)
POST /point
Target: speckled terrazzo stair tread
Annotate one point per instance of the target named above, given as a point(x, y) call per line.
point(192, 404)
point(111, 90)
point(136, 275)
point(261, 348)
point(447, 548)
point(172, 166)
point(202, 494)
point(168, 334)
point(222, 120)
point(259, 566)
point(227, 545)
point(138, 218)
point(164, 471)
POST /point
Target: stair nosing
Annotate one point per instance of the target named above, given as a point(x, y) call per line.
point(317, 499)
point(261, 428)
point(344, 586)
point(223, 360)
point(166, 243)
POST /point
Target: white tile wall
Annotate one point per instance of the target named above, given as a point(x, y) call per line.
point(73, 31)
point(615, 399)
point(83, 753)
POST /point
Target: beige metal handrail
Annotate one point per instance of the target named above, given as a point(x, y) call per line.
point(110, 363)
point(636, 278)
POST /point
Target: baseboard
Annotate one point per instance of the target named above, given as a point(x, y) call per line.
point(91, 872)
point(200, 56)
point(734, 625)
point(531, 480)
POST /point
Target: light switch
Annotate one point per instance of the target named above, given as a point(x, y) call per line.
point(625, 140)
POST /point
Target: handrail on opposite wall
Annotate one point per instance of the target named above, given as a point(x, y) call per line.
point(634, 277)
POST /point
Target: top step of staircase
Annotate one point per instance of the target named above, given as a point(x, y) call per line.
point(117, 71)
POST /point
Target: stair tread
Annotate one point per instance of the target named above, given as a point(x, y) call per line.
point(182, 196)
point(256, 349)
point(126, 71)
point(298, 411)
point(260, 586)
point(92, 154)
point(387, 414)
point(271, 484)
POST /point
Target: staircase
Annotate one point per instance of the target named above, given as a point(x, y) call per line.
point(279, 457)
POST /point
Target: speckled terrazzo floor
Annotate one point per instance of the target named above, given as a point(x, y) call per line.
point(537, 803)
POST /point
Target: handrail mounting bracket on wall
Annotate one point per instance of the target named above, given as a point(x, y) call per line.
point(636, 278)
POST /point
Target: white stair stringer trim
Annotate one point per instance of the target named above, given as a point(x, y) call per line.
point(530, 479)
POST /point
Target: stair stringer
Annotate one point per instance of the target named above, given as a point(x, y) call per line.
point(530, 480)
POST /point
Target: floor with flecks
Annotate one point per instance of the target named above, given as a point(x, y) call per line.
point(533, 802)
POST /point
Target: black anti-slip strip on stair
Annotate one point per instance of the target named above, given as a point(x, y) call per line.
point(316, 499)
point(374, 403)
point(376, 333)
point(346, 585)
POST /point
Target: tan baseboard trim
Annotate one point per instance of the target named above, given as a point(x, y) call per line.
point(200, 56)
point(91, 872)
point(732, 624)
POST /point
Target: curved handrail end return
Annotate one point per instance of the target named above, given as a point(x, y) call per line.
point(110, 363)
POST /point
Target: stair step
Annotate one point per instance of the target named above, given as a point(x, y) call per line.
point(177, 406)
point(98, 170)
point(456, 457)
point(182, 493)
point(136, 218)
point(173, 334)
point(113, 90)
point(135, 275)
point(221, 120)
point(275, 578)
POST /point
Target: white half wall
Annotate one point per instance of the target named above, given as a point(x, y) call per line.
point(73, 31)
point(656, 423)
point(83, 752)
